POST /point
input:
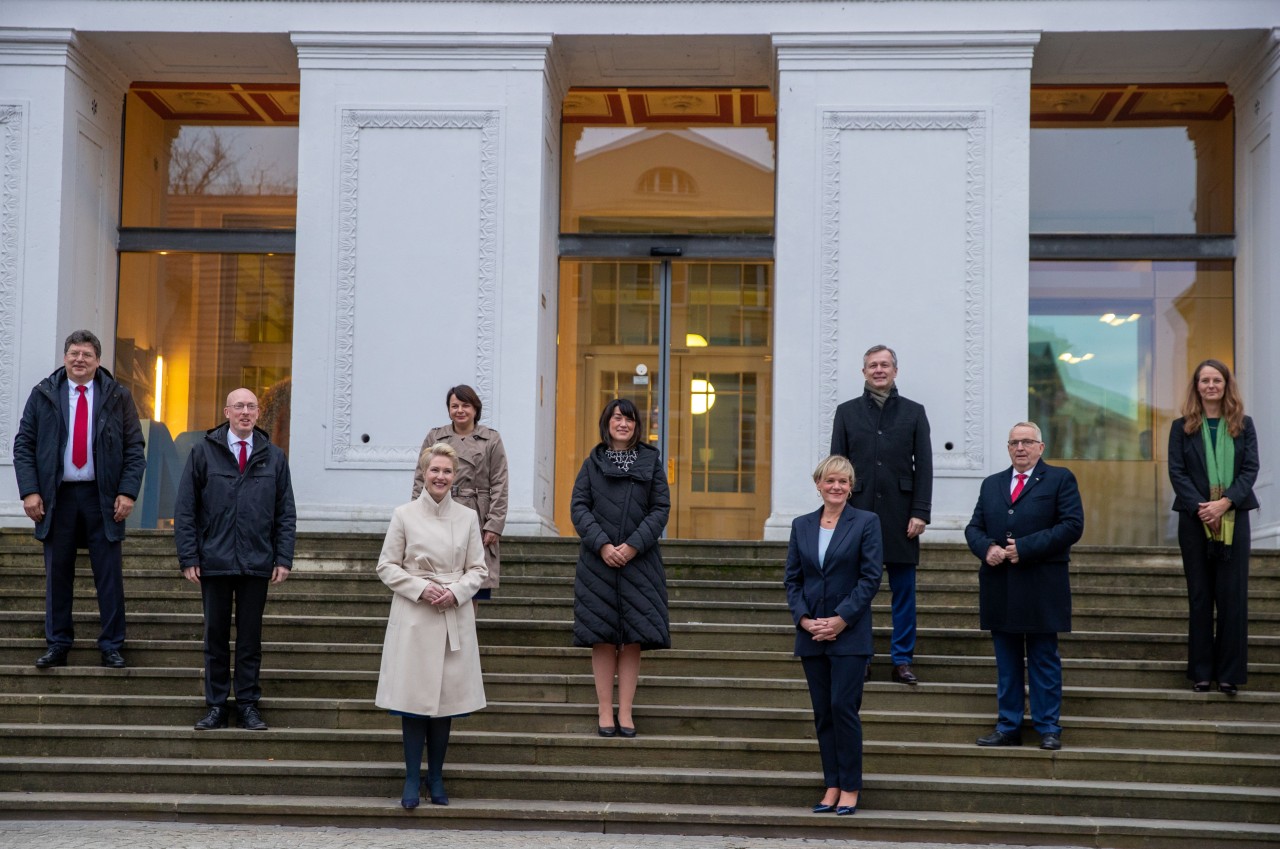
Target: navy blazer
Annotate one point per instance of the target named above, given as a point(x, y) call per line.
point(1034, 594)
point(1189, 470)
point(842, 585)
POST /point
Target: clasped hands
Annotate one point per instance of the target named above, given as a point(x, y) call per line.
point(1211, 512)
point(1007, 554)
point(442, 598)
point(617, 556)
point(823, 630)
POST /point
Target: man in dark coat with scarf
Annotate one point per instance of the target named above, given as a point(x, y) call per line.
point(79, 456)
point(1023, 527)
point(886, 437)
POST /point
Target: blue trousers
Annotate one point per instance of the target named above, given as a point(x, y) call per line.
point(835, 689)
point(77, 521)
point(1043, 672)
point(902, 583)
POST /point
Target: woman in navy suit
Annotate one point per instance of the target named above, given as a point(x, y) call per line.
point(834, 563)
point(1213, 463)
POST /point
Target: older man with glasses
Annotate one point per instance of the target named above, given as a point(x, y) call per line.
point(234, 525)
point(1027, 518)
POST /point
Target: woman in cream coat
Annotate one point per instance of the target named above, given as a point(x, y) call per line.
point(433, 561)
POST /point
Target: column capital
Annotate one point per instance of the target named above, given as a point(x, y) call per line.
point(895, 51)
point(422, 51)
point(36, 46)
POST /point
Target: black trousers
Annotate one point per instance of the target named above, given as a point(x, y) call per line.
point(77, 523)
point(1221, 587)
point(835, 690)
point(248, 596)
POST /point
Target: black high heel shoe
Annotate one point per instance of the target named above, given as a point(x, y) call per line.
point(823, 808)
point(1200, 687)
point(1228, 689)
point(435, 788)
point(407, 802)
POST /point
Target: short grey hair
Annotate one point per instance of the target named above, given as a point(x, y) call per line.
point(1031, 425)
point(875, 349)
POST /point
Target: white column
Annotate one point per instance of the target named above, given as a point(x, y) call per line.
point(1256, 88)
point(902, 219)
point(425, 258)
point(59, 181)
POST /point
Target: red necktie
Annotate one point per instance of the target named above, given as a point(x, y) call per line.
point(80, 436)
point(244, 457)
point(1017, 489)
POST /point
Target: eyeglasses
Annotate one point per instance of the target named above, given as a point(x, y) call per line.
point(241, 407)
point(1019, 443)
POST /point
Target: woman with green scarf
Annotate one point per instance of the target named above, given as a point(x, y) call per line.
point(1213, 463)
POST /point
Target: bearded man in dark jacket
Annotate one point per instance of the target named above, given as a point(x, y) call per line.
point(79, 456)
point(234, 525)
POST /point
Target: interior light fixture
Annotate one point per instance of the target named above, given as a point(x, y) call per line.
point(159, 405)
point(1108, 318)
point(702, 396)
point(695, 340)
point(1071, 359)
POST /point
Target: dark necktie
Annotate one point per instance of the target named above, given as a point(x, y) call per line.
point(1017, 489)
point(80, 436)
point(244, 456)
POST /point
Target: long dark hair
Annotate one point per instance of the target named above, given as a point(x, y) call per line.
point(1232, 404)
point(628, 409)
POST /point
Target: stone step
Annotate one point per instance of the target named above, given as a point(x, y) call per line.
point(709, 637)
point(524, 748)
point(564, 660)
point(609, 782)
point(761, 821)
point(1201, 734)
point(711, 693)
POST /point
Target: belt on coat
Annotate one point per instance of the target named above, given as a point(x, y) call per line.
point(445, 579)
point(468, 492)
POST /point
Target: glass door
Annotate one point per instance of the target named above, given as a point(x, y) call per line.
point(689, 343)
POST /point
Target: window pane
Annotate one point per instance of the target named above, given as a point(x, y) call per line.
point(1131, 159)
point(668, 161)
point(210, 158)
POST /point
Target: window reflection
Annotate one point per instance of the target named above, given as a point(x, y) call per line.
point(1131, 159)
point(1146, 324)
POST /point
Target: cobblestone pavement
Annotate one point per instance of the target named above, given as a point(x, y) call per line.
point(148, 835)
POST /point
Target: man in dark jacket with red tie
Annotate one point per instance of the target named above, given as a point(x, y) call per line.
point(234, 525)
point(79, 455)
point(1026, 521)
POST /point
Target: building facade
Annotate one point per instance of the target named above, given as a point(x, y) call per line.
point(1049, 208)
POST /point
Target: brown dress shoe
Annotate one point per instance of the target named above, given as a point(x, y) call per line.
point(903, 675)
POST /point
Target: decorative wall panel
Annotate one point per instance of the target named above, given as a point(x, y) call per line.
point(12, 168)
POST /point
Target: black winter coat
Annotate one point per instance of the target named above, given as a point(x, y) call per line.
point(892, 458)
point(232, 524)
point(119, 450)
point(627, 605)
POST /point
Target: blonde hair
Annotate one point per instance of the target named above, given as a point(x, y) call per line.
point(440, 449)
point(835, 463)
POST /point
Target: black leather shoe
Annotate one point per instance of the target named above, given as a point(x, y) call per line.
point(55, 656)
point(1001, 738)
point(846, 810)
point(250, 719)
point(903, 675)
point(1050, 742)
point(823, 808)
point(607, 730)
point(1229, 689)
point(1200, 687)
point(215, 718)
point(112, 659)
point(624, 731)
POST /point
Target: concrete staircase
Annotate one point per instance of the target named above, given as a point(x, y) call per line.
point(726, 739)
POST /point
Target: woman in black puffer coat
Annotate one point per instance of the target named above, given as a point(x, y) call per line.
point(619, 508)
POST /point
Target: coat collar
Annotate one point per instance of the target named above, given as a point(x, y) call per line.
point(1034, 476)
point(844, 527)
point(431, 508)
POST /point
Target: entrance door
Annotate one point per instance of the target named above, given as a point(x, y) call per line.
point(689, 343)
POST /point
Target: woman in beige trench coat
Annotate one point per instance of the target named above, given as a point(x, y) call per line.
point(432, 560)
point(481, 481)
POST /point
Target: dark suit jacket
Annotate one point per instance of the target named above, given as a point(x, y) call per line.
point(119, 450)
point(1034, 594)
point(892, 460)
point(1189, 471)
point(844, 587)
